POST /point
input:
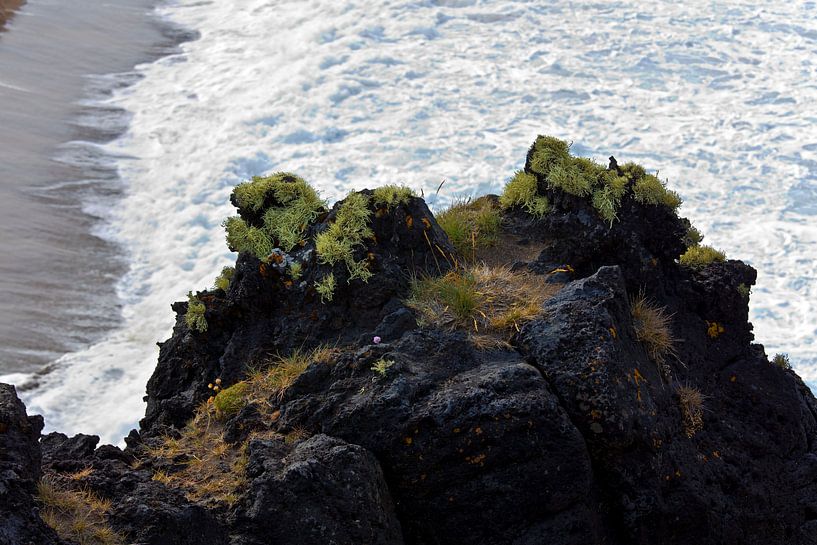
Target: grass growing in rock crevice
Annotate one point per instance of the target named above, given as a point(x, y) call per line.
point(77, 515)
point(480, 299)
point(651, 324)
point(471, 225)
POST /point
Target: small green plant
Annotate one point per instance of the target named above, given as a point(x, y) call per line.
point(223, 279)
point(744, 291)
point(567, 176)
point(295, 270)
point(471, 225)
point(781, 361)
point(194, 318)
point(286, 205)
point(521, 191)
point(693, 237)
point(391, 196)
point(606, 204)
point(650, 190)
point(691, 402)
point(337, 244)
point(229, 401)
point(698, 257)
point(326, 287)
point(381, 367)
point(246, 238)
point(548, 152)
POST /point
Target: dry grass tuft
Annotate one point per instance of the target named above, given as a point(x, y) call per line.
point(79, 516)
point(482, 299)
point(691, 401)
point(652, 327)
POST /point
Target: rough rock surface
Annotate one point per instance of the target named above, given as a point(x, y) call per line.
point(19, 471)
point(571, 434)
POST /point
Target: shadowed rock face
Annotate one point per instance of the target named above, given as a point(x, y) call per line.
point(570, 434)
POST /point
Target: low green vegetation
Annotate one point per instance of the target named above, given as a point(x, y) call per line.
point(326, 287)
point(286, 205)
point(698, 257)
point(390, 196)
point(744, 291)
point(552, 164)
point(229, 401)
point(521, 191)
point(781, 361)
point(471, 225)
point(295, 270)
point(337, 244)
point(693, 237)
point(381, 367)
point(481, 299)
point(223, 279)
point(194, 318)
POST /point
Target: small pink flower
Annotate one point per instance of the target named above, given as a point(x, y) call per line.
point(377, 340)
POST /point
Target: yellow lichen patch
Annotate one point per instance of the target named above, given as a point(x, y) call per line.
point(78, 516)
point(714, 329)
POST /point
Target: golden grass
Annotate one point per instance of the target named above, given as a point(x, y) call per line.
point(652, 327)
point(691, 401)
point(484, 300)
point(79, 516)
point(215, 471)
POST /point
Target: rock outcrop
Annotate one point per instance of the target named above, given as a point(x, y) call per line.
point(629, 407)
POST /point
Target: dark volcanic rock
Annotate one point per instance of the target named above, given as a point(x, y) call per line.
point(324, 491)
point(19, 472)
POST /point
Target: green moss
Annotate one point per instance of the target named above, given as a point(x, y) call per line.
point(231, 400)
point(744, 291)
point(337, 244)
point(521, 191)
point(693, 237)
point(326, 287)
point(391, 196)
point(246, 238)
point(223, 279)
point(633, 171)
point(651, 190)
point(470, 225)
point(295, 270)
point(698, 257)
point(287, 205)
point(194, 318)
point(568, 177)
point(782, 361)
point(606, 204)
point(548, 152)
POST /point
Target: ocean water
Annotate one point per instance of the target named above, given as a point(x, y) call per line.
point(717, 97)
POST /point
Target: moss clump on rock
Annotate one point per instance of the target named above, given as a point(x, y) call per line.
point(390, 196)
point(223, 279)
point(650, 190)
point(326, 287)
point(521, 190)
point(194, 318)
point(338, 243)
point(286, 205)
point(230, 400)
point(698, 257)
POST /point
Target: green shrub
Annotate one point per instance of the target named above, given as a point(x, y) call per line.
point(351, 226)
point(245, 238)
point(194, 318)
point(392, 195)
point(223, 280)
point(230, 400)
point(698, 257)
point(547, 152)
point(326, 287)
point(693, 237)
point(651, 190)
point(470, 225)
point(782, 361)
point(633, 171)
point(521, 191)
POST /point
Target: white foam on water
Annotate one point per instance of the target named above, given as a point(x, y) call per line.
point(360, 93)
